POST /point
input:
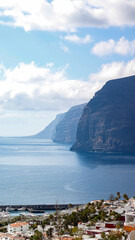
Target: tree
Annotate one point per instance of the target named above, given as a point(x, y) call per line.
point(49, 233)
point(117, 235)
point(51, 217)
point(37, 235)
point(118, 194)
point(34, 226)
point(103, 235)
point(125, 196)
point(74, 230)
point(43, 224)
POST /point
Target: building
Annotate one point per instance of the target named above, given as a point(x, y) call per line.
point(18, 228)
point(129, 224)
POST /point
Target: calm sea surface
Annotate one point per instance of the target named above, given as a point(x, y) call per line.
point(34, 171)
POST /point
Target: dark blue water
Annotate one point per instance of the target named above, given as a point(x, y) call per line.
point(36, 171)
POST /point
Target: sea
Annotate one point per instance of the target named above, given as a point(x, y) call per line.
point(39, 171)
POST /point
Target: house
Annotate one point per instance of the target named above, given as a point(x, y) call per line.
point(18, 227)
point(82, 226)
point(129, 224)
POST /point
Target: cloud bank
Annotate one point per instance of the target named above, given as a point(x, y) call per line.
point(121, 47)
point(114, 70)
point(28, 87)
point(66, 15)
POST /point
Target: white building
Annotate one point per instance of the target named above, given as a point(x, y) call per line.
point(129, 218)
point(18, 227)
point(82, 226)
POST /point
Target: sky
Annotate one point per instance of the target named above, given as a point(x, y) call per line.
point(56, 54)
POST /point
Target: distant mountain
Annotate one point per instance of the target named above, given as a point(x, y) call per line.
point(49, 131)
point(108, 120)
point(67, 127)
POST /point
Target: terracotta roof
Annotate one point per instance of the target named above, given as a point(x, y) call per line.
point(18, 224)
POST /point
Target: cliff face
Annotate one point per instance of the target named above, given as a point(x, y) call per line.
point(67, 127)
point(108, 120)
point(50, 130)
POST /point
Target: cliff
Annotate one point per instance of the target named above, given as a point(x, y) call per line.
point(67, 127)
point(108, 120)
point(49, 131)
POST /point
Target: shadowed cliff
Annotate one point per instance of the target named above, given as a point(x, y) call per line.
point(63, 128)
point(108, 120)
point(66, 129)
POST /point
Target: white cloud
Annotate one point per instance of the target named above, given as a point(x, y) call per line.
point(114, 70)
point(31, 96)
point(66, 15)
point(29, 87)
point(122, 47)
point(78, 40)
point(32, 88)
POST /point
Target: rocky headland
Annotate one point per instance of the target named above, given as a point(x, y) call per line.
point(66, 129)
point(108, 120)
point(63, 128)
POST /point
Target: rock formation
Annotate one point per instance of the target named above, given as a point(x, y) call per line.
point(49, 131)
point(108, 120)
point(67, 127)
point(63, 128)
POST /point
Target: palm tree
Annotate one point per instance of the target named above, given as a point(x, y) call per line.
point(118, 194)
point(125, 196)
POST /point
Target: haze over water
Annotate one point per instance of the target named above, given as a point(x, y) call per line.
point(37, 171)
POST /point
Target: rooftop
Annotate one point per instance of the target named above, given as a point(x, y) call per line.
point(18, 224)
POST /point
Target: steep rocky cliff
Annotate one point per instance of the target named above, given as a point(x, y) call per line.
point(67, 127)
point(108, 120)
point(49, 131)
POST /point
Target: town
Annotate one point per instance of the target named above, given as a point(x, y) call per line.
point(108, 220)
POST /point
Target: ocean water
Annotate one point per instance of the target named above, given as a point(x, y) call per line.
point(37, 171)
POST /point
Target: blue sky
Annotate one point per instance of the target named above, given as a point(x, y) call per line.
point(57, 54)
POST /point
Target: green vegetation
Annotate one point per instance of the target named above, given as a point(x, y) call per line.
point(4, 230)
point(49, 233)
point(37, 236)
point(125, 196)
point(114, 235)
